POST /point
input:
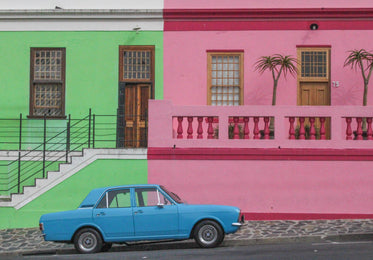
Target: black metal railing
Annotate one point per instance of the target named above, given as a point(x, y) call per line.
point(34, 147)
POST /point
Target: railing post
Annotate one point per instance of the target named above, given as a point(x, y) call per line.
point(93, 130)
point(180, 127)
point(348, 128)
point(256, 128)
point(44, 143)
point(200, 129)
point(89, 128)
point(19, 154)
point(291, 128)
point(68, 138)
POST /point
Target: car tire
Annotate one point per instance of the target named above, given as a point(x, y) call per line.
point(106, 247)
point(88, 241)
point(208, 234)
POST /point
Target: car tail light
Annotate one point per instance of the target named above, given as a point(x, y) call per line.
point(41, 227)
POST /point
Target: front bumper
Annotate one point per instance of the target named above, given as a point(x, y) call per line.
point(241, 221)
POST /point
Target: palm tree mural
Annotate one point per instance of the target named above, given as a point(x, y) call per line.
point(363, 60)
point(276, 64)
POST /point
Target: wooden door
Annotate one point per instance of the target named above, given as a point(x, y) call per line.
point(314, 94)
point(136, 87)
point(314, 80)
point(136, 115)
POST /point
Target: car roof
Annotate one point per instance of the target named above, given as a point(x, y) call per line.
point(95, 194)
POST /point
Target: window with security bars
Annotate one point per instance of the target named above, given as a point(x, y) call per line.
point(314, 64)
point(137, 65)
point(225, 79)
point(47, 86)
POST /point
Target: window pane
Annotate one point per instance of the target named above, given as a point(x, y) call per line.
point(225, 78)
point(47, 99)
point(314, 64)
point(119, 199)
point(149, 197)
point(44, 65)
point(139, 65)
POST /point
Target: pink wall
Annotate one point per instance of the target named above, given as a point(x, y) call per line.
point(182, 4)
point(291, 187)
point(185, 78)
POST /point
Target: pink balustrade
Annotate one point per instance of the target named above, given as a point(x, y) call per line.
point(259, 126)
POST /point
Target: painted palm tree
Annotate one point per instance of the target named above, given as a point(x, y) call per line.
point(363, 60)
point(276, 64)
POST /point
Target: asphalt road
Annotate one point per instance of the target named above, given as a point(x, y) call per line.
point(359, 250)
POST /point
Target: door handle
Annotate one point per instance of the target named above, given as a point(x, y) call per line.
point(139, 211)
point(101, 214)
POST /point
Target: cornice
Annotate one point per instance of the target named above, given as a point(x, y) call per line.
point(270, 14)
point(82, 14)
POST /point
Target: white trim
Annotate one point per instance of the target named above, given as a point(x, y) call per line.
point(36, 155)
point(68, 170)
point(80, 4)
point(81, 20)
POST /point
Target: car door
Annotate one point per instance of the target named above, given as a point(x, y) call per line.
point(155, 216)
point(114, 214)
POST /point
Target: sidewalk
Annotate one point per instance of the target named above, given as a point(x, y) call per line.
point(30, 241)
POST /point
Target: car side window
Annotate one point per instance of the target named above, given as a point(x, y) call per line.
point(147, 197)
point(116, 199)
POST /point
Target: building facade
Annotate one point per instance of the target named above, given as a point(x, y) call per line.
point(213, 127)
point(167, 92)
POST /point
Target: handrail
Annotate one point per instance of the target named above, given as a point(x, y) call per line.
point(41, 148)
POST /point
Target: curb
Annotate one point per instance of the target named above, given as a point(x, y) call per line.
point(295, 239)
point(189, 244)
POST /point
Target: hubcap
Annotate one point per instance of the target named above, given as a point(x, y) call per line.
point(87, 241)
point(208, 234)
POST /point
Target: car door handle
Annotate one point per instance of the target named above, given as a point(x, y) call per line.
point(101, 214)
point(139, 211)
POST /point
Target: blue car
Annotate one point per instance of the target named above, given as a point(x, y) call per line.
point(138, 212)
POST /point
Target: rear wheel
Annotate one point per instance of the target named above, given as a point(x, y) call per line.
point(208, 234)
point(88, 241)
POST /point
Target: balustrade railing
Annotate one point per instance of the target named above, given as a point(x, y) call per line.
point(260, 126)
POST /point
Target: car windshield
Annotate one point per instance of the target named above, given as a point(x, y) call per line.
point(174, 196)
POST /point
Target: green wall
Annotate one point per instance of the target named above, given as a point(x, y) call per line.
point(92, 60)
point(70, 193)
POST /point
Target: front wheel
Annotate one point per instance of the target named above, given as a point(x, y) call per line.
point(88, 241)
point(208, 234)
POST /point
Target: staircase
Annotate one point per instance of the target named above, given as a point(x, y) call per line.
point(66, 170)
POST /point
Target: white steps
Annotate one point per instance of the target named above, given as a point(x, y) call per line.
point(66, 170)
